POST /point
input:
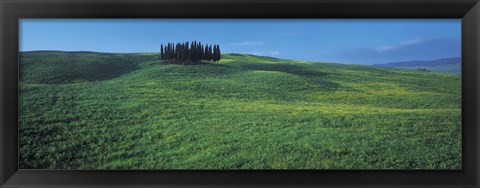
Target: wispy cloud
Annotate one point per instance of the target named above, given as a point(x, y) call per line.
point(402, 44)
point(274, 53)
point(261, 53)
point(248, 43)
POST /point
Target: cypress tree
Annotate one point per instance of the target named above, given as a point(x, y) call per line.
point(219, 53)
point(172, 51)
point(193, 52)
point(216, 53)
point(177, 51)
point(198, 52)
point(168, 51)
point(205, 52)
point(187, 51)
point(210, 53)
point(161, 52)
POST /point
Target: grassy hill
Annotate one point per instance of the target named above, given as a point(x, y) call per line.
point(86, 110)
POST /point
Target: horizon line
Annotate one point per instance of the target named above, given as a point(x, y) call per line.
point(86, 51)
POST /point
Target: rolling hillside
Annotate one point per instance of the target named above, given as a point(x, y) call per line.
point(87, 110)
point(445, 65)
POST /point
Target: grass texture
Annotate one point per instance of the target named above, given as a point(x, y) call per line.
point(86, 110)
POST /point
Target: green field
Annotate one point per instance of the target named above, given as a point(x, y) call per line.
point(85, 110)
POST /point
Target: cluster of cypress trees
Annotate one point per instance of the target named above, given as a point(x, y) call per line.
point(189, 53)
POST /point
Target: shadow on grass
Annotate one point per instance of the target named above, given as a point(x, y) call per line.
point(315, 76)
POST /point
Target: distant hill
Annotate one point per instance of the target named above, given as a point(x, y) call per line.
point(445, 65)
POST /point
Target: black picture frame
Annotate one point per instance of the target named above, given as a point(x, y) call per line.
point(12, 10)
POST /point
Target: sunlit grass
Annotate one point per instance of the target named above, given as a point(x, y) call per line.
point(247, 112)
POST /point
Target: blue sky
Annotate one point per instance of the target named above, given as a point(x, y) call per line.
point(352, 41)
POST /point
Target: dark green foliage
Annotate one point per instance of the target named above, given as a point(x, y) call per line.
point(216, 53)
point(247, 112)
point(162, 52)
point(183, 53)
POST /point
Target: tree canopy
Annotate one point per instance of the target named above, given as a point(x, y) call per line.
point(189, 53)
